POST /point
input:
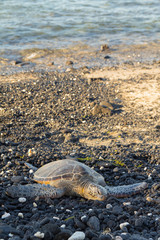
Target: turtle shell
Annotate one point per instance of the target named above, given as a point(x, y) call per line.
point(67, 172)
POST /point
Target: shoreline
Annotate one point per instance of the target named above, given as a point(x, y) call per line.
point(80, 56)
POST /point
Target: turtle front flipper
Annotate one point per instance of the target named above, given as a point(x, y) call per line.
point(126, 190)
point(34, 191)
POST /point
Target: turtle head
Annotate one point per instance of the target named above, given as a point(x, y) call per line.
point(94, 192)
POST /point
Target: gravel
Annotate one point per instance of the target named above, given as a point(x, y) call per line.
point(49, 118)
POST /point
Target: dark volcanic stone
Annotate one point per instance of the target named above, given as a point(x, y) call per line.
point(6, 229)
point(79, 223)
point(139, 222)
point(48, 236)
point(105, 237)
point(137, 237)
point(70, 222)
point(158, 127)
point(15, 238)
point(101, 110)
point(90, 234)
point(111, 224)
point(71, 138)
point(44, 221)
point(106, 104)
point(84, 219)
point(94, 223)
point(117, 210)
point(51, 228)
point(107, 57)
point(63, 235)
point(17, 179)
point(69, 62)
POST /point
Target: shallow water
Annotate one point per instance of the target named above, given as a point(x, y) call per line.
point(49, 24)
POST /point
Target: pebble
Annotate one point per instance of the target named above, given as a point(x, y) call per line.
point(84, 219)
point(22, 199)
point(20, 215)
point(101, 110)
point(124, 225)
point(77, 236)
point(6, 215)
point(68, 210)
point(116, 169)
point(90, 234)
point(64, 234)
point(16, 62)
point(39, 235)
point(149, 199)
point(126, 203)
point(34, 204)
point(117, 210)
point(51, 228)
point(70, 138)
point(79, 223)
point(106, 111)
point(68, 69)
point(111, 224)
point(106, 105)
point(15, 238)
point(31, 171)
point(104, 47)
point(56, 218)
point(106, 237)
point(107, 57)
point(44, 221)
point(10, 235)
point(125, 236)
point(31, 152)
point(137, 237)
point(94, 223)
point(89, 81)
point(6, 229)
point(2, 111)
point(69, 62)
point(17, 179)
point(139, 222)
point(109, 206)
point(119, 238)
point(51, 64)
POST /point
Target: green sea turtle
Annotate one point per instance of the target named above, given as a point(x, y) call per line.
point(70, 177)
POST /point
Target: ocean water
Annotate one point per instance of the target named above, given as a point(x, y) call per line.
point(53, 23)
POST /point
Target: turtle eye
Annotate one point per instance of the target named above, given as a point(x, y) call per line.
point(99, 191)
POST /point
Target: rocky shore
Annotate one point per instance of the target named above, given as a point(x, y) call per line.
point(106, 117)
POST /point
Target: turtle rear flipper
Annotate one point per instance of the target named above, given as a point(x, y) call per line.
point(126, 190)
point(34, 191)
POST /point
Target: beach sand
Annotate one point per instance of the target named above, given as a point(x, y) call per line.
point(100, 107)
